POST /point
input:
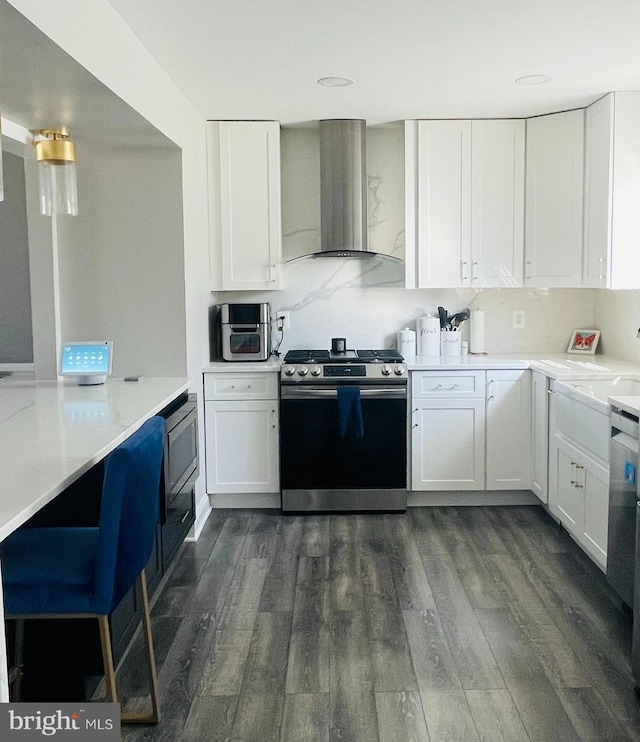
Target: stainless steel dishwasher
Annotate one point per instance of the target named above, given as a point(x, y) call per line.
point(621, 542)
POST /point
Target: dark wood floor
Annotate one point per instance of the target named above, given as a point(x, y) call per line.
point(459, 624)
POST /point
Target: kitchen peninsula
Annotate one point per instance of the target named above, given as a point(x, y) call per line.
point(51, 433)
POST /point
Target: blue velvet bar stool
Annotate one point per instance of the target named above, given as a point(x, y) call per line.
point(85, 572)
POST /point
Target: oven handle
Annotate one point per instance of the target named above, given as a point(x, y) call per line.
point(315, 393)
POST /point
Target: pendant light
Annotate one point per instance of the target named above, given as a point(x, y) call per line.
point(56, 158)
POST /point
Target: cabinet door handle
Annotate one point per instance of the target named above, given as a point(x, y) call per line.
point(272, 268)
point(473, 270)
point(602, 276)
point(578, 486)
point(185, 516)
point(463, 270)
point(579, 466)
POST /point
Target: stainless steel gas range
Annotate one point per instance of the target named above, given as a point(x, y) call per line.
point(343, 431)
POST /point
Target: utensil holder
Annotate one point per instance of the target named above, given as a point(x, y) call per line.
point(450, 343)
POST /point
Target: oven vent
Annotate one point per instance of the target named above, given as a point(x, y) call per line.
point(343, 189)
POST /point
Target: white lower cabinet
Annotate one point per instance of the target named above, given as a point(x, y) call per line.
point(579, 471)
point(581, 496)
point(539, 436)
point(508, 430)
point(241, 431)
point(448, 444)
point(470, 430)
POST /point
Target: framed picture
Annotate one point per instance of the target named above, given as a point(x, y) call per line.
point(584, 341)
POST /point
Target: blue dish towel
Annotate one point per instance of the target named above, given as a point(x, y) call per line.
point(350, 412)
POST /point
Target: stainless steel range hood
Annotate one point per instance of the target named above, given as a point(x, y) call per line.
point(343, 189)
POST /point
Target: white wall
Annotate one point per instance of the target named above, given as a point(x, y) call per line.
point(122, 259)
point(96, 37)
point(16, 339)
point(618, 317)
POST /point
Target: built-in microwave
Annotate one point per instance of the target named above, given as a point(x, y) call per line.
point(179, 475)
point(244, 332)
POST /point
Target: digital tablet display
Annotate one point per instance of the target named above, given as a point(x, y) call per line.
point(86, 358)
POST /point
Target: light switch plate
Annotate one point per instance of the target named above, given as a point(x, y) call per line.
point(518, 319)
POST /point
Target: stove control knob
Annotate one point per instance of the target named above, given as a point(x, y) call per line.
point(288, 370)
point(398, 369)
point(385, 370)
point(302, 370)
point(315, 370)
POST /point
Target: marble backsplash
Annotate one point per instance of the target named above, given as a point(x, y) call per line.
point(618, 317)
point(364, 299)
point(333, 297)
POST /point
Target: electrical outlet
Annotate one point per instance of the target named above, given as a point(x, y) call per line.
point(283, 320)
point(518, 319)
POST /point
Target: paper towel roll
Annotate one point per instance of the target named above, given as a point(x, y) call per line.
point(406, 342)
point(476, 333)
point(428, 340)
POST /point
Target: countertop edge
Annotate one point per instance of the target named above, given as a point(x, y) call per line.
point(182, 384)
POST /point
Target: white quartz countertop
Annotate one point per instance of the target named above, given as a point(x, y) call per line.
point(52, 432)
point(554, 365)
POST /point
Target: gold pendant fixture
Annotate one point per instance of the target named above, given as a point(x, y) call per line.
point(56, 158)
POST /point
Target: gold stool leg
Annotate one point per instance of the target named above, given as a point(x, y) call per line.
point(151, 659)
point(107, 659)
point(154, 716)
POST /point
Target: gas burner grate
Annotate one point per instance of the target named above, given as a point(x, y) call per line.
point(349, 356)
point(380, 356)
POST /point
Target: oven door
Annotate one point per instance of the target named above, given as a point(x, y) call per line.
point(322, 471)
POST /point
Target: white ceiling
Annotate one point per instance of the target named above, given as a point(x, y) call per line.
point(44, 87)
point(260, 59)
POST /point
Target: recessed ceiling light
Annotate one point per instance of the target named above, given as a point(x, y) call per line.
point(533, 80)
point(335, 82)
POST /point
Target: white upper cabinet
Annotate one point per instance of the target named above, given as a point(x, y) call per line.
point(464, 201)
point(554, 196)
point(438, 192)
point(497, 203)
point(243, 159)
point(612, 192)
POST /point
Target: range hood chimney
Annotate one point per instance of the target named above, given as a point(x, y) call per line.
point(343, 189)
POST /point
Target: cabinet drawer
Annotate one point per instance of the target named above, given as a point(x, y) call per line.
point(426, 384)
point(241, 386)
point(582, 425)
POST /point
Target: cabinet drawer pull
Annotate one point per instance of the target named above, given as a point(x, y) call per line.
point(447, 388)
